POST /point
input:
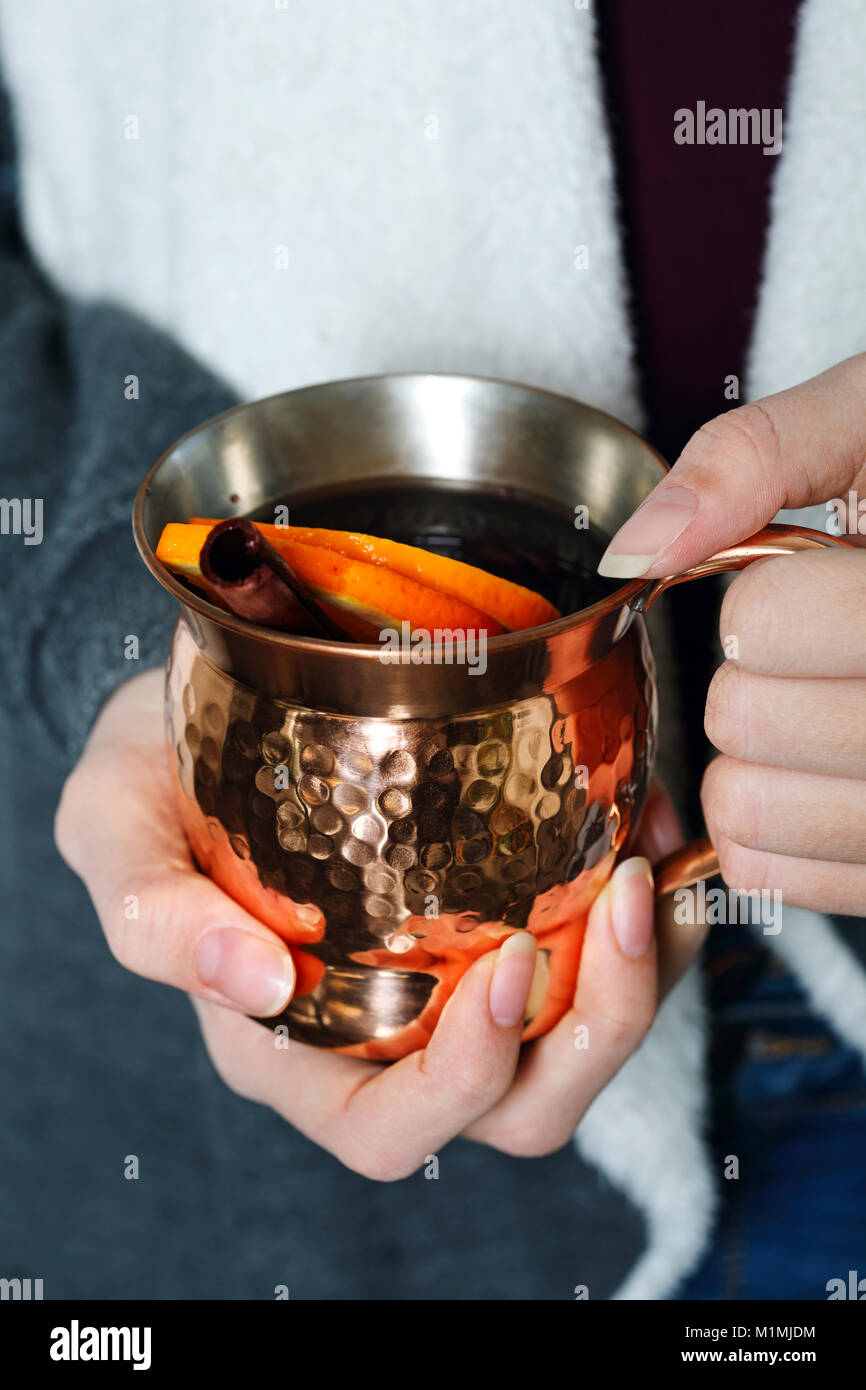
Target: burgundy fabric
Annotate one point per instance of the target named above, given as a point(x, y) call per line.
point(694, 215)
point(693, 219)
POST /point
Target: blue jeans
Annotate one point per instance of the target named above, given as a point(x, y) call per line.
point(790, 1107)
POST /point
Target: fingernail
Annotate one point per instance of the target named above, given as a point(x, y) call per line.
point(309, 916)
point(512, 979)
point(252, 973)
point(630, 900)
point(648, 532)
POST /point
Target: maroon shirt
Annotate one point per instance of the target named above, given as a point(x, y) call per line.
point(693, 219)
point(694, 215)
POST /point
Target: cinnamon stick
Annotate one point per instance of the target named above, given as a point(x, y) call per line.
point(254, 581)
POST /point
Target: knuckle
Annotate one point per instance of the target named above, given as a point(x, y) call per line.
point(62, 817)
point(236, 1077)
point(474, 1086)
point(725, 717)
point(728, 801)
point(623, 1032)
point(124, 944)
point(645, 1010)
point(68, 818)
point(738, 607)
point(743, 868)
point(83, 790)
point(755, 615)
point(376, 1162)
point(526, 1142)
point(135, 913)
point(746, 435)
point(754, 424)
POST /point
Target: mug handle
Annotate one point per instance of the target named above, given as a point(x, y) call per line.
point(699, 860)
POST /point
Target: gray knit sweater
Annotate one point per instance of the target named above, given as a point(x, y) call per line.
point(98, 1064)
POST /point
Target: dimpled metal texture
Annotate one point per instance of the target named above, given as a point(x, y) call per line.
point(391, 853)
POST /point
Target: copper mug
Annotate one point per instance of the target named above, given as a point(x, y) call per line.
point(393, 822)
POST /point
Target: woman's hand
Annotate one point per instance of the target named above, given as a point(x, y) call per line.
point(785, 804)
point(118, 829)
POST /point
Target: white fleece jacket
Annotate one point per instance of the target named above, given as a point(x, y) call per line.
point(301, 192)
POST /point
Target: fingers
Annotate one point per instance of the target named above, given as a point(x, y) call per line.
point(776, 811)
point(799, 615)
point(177, 927)
point(634, 952)
point(809, 726)
point(792, 449)
point(615, 1001)
point(785, 804)
point(469, 1063)
point(821, 885)
point(797, 835)
point(116, 827)
point(384, 1122)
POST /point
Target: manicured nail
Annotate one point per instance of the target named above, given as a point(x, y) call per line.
point(630, 899)
point(648, 532)
point(253, 974)
point(308, 915)
point(512, 979)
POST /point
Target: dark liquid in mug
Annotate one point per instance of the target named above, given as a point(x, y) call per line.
point(507, 533)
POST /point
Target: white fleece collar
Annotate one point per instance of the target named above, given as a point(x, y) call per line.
point(332, 189)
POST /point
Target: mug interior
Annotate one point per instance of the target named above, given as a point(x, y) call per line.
point(392, 434)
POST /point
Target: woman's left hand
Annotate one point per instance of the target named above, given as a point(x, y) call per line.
point(785, 803)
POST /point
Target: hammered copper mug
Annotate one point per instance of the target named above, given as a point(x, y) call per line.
point(393, 822)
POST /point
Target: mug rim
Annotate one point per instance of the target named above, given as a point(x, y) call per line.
point(368, 651)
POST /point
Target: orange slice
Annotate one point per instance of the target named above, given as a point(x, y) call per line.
point(364, 597)
point(513, 606)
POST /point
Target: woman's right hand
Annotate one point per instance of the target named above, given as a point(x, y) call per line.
point(118, 829)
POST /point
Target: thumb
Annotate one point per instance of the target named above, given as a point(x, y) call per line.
point(794, 449)
point(188, 933)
